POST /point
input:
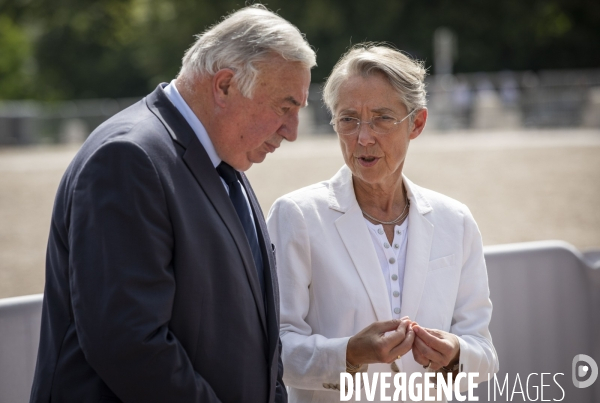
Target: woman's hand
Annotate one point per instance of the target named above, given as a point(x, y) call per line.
point(435, 348)
point(381, 342)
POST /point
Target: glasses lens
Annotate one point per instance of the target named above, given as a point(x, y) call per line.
point(346, 125)
point(383, 124)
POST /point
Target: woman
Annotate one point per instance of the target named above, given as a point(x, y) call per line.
point(376, 273)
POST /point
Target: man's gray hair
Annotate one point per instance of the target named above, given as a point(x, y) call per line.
point(405, 74)
point(242, 40)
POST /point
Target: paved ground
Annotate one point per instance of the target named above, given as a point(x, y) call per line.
point(520, 186)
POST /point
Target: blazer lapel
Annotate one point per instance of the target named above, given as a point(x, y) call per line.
point(355, 235)
point(271, 284)
point(420, 237)
point(356, 238)
point(198, 162)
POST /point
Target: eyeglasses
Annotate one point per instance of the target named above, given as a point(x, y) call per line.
point(381, 124)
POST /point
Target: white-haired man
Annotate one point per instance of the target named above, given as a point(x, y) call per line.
point(160, 277)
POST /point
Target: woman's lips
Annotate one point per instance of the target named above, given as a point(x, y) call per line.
point(368, 160)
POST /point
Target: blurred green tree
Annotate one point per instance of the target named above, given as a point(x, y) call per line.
point(15, 61)
point(85, 49)
point(117, 48)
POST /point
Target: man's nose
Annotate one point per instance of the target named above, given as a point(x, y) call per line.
point(289, 128)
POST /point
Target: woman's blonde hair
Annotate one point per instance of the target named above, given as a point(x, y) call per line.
point(405, 74)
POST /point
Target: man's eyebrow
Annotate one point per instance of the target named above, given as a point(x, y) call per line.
point(292, 100)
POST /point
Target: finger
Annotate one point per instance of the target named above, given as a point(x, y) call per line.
point(435, 366)
point(386, 326)
point(404, 325)
point(431, 340)
point(443, 342)
point(421, 358)
point(418, 355)
point(429, 352)
point(403, 347)
point(435, 332)
point(395, 337)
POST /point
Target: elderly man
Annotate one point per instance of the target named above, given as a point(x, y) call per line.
point(160, 279)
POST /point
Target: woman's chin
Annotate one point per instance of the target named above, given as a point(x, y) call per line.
point(368, 175)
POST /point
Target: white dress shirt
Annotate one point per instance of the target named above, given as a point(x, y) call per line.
point(177, 100)
point(392, 259)
point(198, 128)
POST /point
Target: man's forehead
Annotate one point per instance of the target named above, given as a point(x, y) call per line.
point(287, 81)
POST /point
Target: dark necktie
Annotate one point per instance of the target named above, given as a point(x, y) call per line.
point(240, 204)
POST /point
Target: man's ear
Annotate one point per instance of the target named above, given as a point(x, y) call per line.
point(221, 86)
point(418, 123)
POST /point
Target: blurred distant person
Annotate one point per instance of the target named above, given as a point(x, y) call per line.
point(378, 274)
point(160, 282)
point(462, 101)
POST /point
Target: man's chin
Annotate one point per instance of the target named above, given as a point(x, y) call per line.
point(256, 157)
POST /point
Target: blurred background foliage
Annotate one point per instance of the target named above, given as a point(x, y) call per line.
point(73, 49)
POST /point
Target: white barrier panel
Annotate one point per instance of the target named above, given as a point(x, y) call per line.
point(546, 298)
point(19, 339)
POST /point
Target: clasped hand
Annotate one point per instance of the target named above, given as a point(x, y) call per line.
point(384, 342)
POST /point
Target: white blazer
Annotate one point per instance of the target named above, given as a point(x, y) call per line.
point(332, 286)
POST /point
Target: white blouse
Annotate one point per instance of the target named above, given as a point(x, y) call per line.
point(392, 259)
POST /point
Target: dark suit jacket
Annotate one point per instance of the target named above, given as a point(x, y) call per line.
point(151, 291)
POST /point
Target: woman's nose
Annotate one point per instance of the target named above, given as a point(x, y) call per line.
point(365, 134)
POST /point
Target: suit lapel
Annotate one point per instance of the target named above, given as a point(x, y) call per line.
point(420, 237)
point(198, 162)
point(176, 125)
point(271, 284)
point(354, 233)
